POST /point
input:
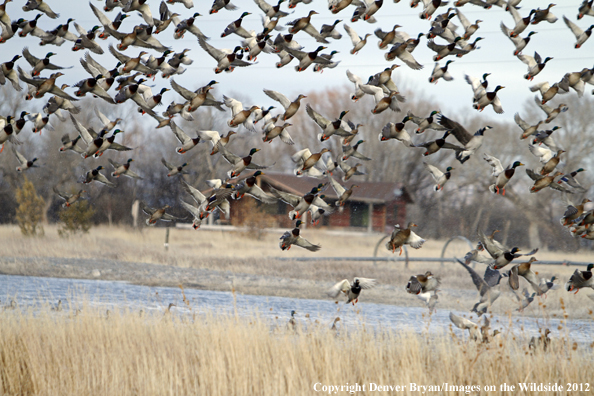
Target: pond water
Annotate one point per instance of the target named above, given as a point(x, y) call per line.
point(35, 293)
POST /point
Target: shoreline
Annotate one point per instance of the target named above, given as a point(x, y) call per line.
point(158, 275)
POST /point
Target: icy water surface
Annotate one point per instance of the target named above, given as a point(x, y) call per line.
point(33, 292)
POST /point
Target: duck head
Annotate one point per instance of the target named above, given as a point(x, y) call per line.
point(516, 164)
point(253, 151)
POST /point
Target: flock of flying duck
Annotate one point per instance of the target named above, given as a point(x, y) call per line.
point(443, 37)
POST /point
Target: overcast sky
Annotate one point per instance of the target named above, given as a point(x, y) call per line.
point(495, 55)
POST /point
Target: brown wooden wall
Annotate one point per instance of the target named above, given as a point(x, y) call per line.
point(384, 216)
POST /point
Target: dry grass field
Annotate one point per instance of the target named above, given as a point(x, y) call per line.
point(55, 353)
point(233, 260)
point(123, 353)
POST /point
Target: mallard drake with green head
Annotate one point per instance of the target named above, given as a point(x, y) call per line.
point(580, 279)
point(188, 25)
point(490, 98)
point(10, 29)
point(70, 144)
point(92, 140)
point(31, 27)
point(41, 64)
point(156, 214)
point(441, 178)
point(187, 142)
point(301, 204)
point(240, 164)
point(218, 5)
point(86, 40)
point(330, 30)
point(175, 170)
point(290, 238)
point(69, 199)
point(471, 142)
point(401, 237)
point(292, 323)
point(235, 27)
point(519, 42)
point(226, 60)
point(7, 132)
point(502, 176)
point(7, 72)
point(19, 123)
point(580, 35)
point(249, 186)
point(351, 290)
point(569, 178)
point(479, 88)
point(441, 72)
point(396, 131)
point(444, 50)
point(501, 256)
point(40, 122)
point(434, 146)
point(109, 143)
point(329, 128)
point(351, 151)
point(91, 85)
point(308, 58)
point(123, 169)
point(521, 22)
point(25, 163)
point(425, 123)
point(535, 64)
point(95, 175)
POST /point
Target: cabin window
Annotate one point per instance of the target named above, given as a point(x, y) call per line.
point(359, 214)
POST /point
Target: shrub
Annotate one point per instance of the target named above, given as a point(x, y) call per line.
point(29, 213)
point(75, 218)
point(256, 219)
